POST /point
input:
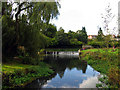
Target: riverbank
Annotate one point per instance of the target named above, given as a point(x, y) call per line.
point(106, 62)
point(61, 49)
point(19, 75)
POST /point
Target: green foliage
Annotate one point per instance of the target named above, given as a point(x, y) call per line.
point(53, 42)
point(44, 11)
point(42, 50)
point(107, 40)
point(62, 38)
point(97, 44)
point(50, 31)
point(100, 35)
point(8, 34)
point(71, 34)
point(75, 42)
point(70, 39)
point(81, 35)
point(102, 44)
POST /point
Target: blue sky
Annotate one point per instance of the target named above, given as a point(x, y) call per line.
point(77, 13)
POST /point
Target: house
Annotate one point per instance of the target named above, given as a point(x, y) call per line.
point(92, 36)
point(113, 37)
point(117, 38)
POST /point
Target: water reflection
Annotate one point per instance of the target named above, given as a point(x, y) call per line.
point(60, 63)
point(71, 72)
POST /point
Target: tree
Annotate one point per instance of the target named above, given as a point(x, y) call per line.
point(107, 18)
point(71, 34)
point(8, 30)
point(25, 29)
point(75, 42)
point(37, 13)
point(82, 35)
point(62, 38)
point(100, 35)
point(50, 31)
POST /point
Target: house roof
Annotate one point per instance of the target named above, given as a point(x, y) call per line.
point(92, 35)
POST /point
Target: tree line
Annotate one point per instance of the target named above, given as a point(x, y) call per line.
point(26, 28)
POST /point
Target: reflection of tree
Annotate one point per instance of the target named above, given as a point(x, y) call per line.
point(61, 64)
point(40, 82)
point(80, 65)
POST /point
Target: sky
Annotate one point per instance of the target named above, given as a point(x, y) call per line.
point(75, 14)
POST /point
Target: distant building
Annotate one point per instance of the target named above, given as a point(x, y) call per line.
point(113, 37)
point(117, 38)
point(92, 36)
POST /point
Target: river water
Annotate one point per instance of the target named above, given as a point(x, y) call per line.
point(71, 72)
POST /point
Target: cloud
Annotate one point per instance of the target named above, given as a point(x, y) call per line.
point(89, 83)
point(77, 13)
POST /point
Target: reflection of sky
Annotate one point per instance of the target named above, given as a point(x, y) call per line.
point(72, 78)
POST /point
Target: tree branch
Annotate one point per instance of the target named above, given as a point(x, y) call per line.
point(19, 9)
point(26, 7)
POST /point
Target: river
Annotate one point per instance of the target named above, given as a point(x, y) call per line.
point(71, 72)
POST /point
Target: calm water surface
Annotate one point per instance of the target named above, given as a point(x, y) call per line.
point(71, 72)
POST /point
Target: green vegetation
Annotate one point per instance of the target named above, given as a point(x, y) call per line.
point(100, 35)
point(62, 49)
point(18, 75)
point(101, 44)
point(106, 62)
point(98, 85)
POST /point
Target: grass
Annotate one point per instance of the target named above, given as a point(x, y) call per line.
point(19, 75)
point(106, 62)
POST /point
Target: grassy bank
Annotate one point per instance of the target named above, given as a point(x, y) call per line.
point(106, 62)
point(19, 75)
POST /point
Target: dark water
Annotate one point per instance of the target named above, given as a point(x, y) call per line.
point(71, 72)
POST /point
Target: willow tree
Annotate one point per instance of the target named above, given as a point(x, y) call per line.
point(30, 18)
point(37, 14)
